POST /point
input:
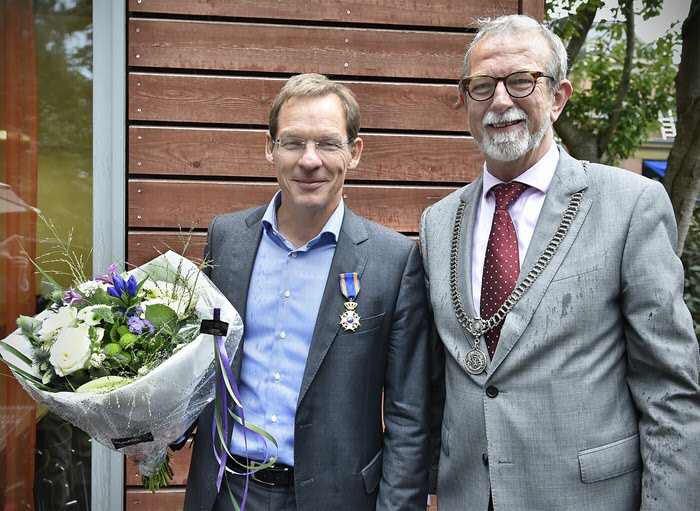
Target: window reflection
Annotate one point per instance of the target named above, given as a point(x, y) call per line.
point(45, 165)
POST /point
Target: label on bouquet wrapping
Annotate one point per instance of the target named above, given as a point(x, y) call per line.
point(119, 443)
point(213, 327)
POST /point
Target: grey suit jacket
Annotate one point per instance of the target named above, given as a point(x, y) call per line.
point(343, 460)
point(591, 401)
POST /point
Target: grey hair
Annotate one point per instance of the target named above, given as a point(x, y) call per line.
point(314, 85)
point(515, 25)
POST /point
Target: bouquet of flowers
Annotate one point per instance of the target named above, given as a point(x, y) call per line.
point(122, 357)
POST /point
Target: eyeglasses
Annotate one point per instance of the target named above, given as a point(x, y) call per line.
point(290, 146)
point(519, 84)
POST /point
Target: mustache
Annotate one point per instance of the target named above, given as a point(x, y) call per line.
point(510, 115)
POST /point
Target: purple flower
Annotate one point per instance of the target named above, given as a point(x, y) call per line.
point(71, 296)
point(131, 286)
point(121, 287)
point(107, 279)
point(136, 325)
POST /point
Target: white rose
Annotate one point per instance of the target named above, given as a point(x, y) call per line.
point(64, 317)
point(86, 314)
point(71, 350)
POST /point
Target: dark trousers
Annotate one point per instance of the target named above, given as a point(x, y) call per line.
point(260, 497)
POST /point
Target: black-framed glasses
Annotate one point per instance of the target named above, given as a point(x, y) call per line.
point(519, 84)
point(292, 146)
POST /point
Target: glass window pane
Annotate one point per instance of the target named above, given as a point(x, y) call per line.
point(45, 165)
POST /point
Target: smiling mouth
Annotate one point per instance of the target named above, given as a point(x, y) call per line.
point(505, 124)
point(309, 184)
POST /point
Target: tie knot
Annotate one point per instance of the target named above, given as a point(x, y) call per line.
point(507, 193)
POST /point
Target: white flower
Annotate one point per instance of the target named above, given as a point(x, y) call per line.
point(71, 350)
point(63, 318)
point(149, 287)
point(162, 289)
point(86, 314)
point(177, 305)
point(96, 359)
point(89, 288)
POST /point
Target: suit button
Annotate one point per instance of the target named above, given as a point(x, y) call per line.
point(491, 391)
point(485, 459)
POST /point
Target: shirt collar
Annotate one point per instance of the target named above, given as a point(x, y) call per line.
point(539, 176)
point(332, 227)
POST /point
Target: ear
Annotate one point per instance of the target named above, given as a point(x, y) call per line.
point(463, 100)
point(355, 153)
point(560, 98)
point(268, 148)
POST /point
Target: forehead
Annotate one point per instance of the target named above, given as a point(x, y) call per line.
point(321, 111)
point(500, 55)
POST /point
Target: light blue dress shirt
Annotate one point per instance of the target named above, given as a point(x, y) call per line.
point(284, 296)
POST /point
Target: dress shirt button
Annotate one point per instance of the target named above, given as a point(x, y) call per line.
point(278, 376)
point(295, 254)
point(283, 335)
point(491, 391)
point(273, 419)
point(485, 459)
point(287, 294)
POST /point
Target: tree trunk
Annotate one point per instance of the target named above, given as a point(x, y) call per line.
point(582, 21)
point(623, 89)
point(682, 179)
point(580, 144)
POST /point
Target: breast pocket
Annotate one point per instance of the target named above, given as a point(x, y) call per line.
point(580, 266)
point(367, 324)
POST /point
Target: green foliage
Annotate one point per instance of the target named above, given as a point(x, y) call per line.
point(691, 263)
point(596, 74)
point(63, 42)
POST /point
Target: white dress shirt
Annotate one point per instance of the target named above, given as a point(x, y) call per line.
point(524, 213)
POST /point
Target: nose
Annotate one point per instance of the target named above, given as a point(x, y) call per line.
point(310, 157)
point(501, 100)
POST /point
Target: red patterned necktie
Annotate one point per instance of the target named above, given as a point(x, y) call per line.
point(502, 262)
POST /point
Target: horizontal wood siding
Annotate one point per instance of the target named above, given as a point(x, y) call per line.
point(183, 204)
point(430, 13)
point(197, 99)
point(226, 46)
point(167, 499)
point(202, 75)
point(211, 152)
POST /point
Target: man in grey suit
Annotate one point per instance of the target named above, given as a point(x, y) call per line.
point(588, 399)
point(334, 357)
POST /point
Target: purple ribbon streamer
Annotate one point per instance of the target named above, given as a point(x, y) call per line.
point(222, 391)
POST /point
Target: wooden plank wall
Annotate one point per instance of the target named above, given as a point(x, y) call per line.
point(202, 75)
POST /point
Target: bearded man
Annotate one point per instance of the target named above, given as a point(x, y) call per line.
point(570, 367)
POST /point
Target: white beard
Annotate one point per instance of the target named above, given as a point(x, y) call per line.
point(515, 144)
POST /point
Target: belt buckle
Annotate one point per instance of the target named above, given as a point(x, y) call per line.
point(253, 475)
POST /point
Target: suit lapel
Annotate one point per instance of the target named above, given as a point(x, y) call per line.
point(244, 254)
point(569, 178)
point(350, 256)
point(471, 198)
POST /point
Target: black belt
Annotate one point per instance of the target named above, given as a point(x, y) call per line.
point(278, 474)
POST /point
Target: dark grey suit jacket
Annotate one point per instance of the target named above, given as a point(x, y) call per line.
point(343, 460)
